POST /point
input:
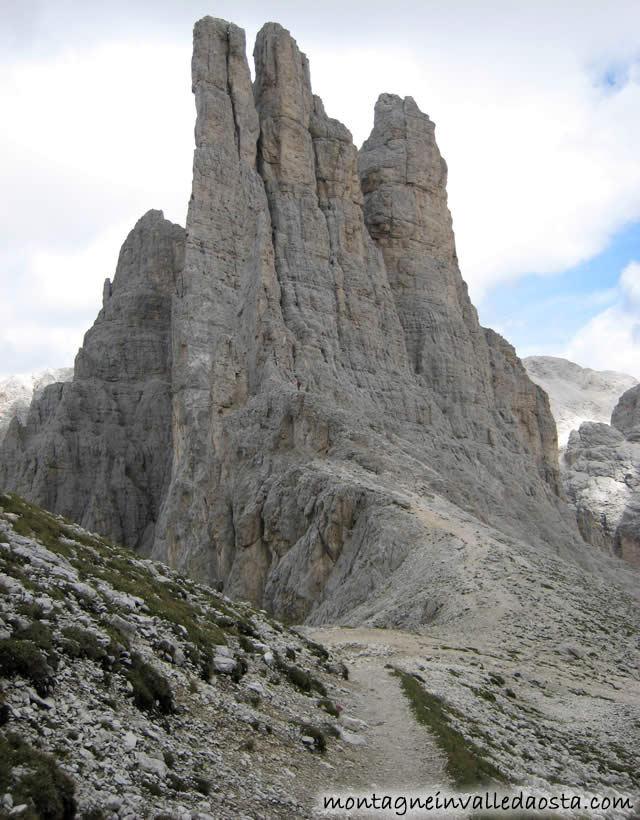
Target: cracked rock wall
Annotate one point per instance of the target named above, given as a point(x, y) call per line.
point(303, 262)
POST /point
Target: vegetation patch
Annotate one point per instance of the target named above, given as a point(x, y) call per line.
point(248, 645)
point(203, 786)
point(329, 707)
point(80, 643)
point(34, 778)
point(24, 658)
point(151, 692)
point(465, 763)
point(300, 679)
point(177, 783)
point(319, 737)
point(315, 648)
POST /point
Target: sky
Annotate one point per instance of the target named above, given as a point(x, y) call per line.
point(537, 112)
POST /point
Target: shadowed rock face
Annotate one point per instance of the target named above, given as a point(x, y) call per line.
point(97, 449)
point(302, 262)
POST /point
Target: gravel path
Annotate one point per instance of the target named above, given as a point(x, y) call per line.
point(398, 754)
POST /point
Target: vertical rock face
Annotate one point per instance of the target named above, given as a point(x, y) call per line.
point(97, 449)
point(304, 264)
point(602, 477)
point(626, 414)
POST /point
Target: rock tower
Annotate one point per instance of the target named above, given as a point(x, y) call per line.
point(266, 393)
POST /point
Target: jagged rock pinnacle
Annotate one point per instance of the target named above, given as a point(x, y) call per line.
point(326, 365)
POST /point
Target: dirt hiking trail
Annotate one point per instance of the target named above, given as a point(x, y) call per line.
point(392, 752)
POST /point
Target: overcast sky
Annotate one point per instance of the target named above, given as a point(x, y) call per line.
point(537, 112)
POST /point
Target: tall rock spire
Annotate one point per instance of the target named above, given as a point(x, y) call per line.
point(328, 373)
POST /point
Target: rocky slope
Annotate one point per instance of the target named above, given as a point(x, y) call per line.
point(183, 433)
point(129, 691)
point(577, 394)
point(17, 393)
point(602, 477)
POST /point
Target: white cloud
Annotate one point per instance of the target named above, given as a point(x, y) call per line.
point(611, 340)
point(537, 109)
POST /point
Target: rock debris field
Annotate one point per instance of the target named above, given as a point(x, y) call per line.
point(130, 691)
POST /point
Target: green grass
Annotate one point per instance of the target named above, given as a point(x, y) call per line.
point(125, 573)
point(466, 764)
point(80, 643)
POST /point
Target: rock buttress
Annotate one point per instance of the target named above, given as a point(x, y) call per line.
point(97, 449)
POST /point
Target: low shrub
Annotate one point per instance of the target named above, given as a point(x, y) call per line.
point(301, 679)
point(329, 707)
point(80, 643)
point(202, 785)
point(177, 783)
point(33, 777)
point(23, 657)
point(151, 692)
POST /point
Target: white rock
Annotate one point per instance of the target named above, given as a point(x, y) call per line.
point(351, 737)
point(84, 590)
point(152, 765)
point(354, 724)
point(113, 802)
point(224, 664)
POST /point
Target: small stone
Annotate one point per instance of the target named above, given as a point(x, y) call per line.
point(113, 802)
point(225, 665)
point(152, 765)
point(129, 741)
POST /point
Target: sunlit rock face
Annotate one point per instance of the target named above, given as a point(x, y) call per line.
point(577, 393)
point(17, 393)
point(300, 368)
point(602, 478)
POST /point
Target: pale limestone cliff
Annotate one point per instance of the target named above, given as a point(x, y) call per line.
point(602, 478)
point(17, 393)
point(271, 410)
point(577, 393)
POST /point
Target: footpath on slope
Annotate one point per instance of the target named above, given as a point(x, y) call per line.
point(392, 754)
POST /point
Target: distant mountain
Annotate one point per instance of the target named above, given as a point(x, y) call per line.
point(577, 393)
point(17, 392)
